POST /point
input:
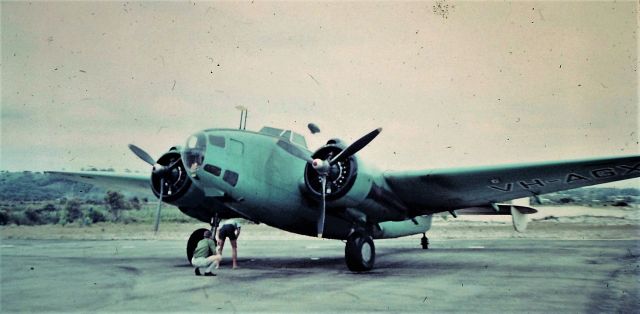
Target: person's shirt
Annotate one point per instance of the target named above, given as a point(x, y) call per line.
point(205, 248)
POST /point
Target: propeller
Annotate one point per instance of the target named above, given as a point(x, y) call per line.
point(323, 166)
point(356, 146)
point(162, 171)
point(142, 154)
point(157, 223)
point(320, 225)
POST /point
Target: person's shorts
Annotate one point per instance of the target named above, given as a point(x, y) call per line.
point(228, 231)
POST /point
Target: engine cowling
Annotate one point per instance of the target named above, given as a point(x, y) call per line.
point(351, 183)
point(178, 188)
point(340, 178)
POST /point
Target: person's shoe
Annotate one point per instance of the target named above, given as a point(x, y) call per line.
point(209, 274)
point(198, 272)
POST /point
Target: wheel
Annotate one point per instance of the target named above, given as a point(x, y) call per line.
point(195, 237)
point(360, 253)
point(424, 242)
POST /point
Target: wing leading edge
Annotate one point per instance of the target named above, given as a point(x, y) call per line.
point(109, 180)
point(446, 189)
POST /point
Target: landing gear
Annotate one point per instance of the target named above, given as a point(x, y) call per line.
point(424, 242)
point(360, 253)
point(195, 237)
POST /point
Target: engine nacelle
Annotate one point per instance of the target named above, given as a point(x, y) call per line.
point(353, 184)
point(178, 189)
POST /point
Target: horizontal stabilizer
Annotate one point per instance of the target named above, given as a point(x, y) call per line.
point(518, 212)
point(503, 209)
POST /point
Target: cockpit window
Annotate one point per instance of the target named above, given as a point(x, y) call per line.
point(299, 139)
point(288, 134)
point(193, 154)
point(271, 131)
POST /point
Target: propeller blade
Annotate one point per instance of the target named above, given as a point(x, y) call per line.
point(142, 154)
point(157, 224)
point(356, 146)
point(323, 180)
point(294, 150)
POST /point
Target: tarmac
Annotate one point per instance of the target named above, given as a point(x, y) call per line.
point(309, 275)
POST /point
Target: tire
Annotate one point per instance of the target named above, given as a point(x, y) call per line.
point(360, 253)
point(195, 237)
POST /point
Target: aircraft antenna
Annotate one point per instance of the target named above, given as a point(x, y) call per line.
point(243, 117)
point(246, 113)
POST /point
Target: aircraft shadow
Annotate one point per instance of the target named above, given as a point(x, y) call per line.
point(389, 261)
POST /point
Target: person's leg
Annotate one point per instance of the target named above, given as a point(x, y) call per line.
point(221, 246)
point(234, 253)
point(198, 263)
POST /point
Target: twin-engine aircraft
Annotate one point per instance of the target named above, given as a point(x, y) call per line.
point(271, 177)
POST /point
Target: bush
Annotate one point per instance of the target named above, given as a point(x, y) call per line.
point(73, 210)
point(33, 216)
point(49, 217)
point(620, 204)
point(4, 217)
point(49, 208)
point(115, 203)
point(95, 215)
point(135, 203)
point(566, 200)
point(19, 219)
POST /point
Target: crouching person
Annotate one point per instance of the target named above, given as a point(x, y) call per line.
point(206, 256)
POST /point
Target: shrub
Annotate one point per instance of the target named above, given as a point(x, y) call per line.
point(33, 216)
point(115, 203)
point(566, 200)
point(49, 217)
point(19, 219)
point(73, 210)
point(135, 202)
point(95, 215)
point(49, 208)
point(4, 217)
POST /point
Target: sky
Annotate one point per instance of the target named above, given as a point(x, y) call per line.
point(451, 83)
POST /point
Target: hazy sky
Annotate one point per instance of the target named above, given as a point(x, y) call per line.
point(486, 83)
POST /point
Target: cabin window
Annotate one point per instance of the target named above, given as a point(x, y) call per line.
point(216, 140)
point(230, 177)
point(214, 170)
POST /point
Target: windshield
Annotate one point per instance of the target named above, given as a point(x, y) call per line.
point(193, 154)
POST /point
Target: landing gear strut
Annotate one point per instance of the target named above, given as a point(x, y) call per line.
point(424, 242)
point(360, 253)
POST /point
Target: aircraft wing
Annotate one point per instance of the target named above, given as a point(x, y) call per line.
point(446, 189)
point(109, 180)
